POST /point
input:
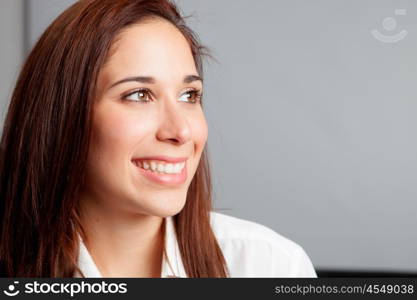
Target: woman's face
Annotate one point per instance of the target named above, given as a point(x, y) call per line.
point(147, 115)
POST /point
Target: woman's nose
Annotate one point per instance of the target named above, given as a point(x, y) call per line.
point(174, 125)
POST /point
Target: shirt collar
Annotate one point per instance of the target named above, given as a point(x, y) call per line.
point(172, 265)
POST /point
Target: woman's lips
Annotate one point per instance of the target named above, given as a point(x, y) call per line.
point(163, 178)
point(168, 159)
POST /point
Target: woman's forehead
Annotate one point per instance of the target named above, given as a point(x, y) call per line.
point(154, 48)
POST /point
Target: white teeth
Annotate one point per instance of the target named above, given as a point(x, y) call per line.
point(177, 168)
point(169, 168)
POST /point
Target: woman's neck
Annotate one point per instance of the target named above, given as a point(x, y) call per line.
point(123, 244)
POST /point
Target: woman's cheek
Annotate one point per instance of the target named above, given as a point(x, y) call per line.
point(120, 132)
point(200, 131)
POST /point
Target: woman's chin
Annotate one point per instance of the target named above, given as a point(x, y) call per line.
point(162, 207)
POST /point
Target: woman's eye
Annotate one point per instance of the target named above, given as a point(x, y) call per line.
point(144, 95)
point(139, 96)
point(192, 96)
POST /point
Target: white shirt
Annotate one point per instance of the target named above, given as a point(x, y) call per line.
point(250, 250)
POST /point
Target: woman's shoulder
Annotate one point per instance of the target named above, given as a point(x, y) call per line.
point(254, 250)
point(231, 229)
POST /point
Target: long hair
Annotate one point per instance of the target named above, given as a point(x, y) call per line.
point(46, 138)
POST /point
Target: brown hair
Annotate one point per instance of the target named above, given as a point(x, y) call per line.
point(45, 143)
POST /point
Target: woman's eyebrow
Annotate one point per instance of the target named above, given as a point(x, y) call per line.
point(151, 80)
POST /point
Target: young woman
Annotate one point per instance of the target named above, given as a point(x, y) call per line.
point(103, 167)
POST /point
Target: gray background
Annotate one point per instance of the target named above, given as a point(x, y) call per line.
point(312, 127)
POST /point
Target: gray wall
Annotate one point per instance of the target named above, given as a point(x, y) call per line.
point(11, 49)
point(312, 127)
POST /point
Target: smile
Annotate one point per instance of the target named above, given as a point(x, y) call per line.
point(162, 172)
point(160, 167)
